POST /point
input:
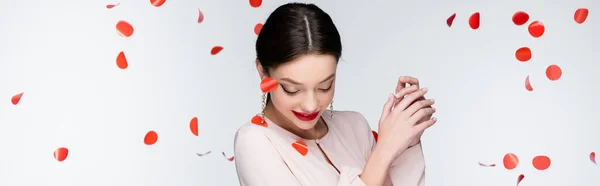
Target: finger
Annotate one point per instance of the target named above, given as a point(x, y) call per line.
point(410, 80)
point(387, 107)
point(401, 84)
point(418, 105)
point(403, 92)
point(421, 113)
point(411, 98)
point(420, 128)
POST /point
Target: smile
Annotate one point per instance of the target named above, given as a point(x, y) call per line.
point(306, 116)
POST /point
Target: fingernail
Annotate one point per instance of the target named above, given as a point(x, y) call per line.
point(434, 119)
point(433, 109)
point(432, 100)
point(424, 89)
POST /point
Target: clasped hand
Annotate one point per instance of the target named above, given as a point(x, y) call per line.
point(405, 116)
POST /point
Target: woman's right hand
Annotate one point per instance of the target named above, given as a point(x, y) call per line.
point(399, 125)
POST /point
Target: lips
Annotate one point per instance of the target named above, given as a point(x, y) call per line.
point(306, 116)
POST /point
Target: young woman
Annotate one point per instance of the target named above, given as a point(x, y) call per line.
point(298, 141)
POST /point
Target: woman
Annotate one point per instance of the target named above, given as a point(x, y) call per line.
point(298, 141)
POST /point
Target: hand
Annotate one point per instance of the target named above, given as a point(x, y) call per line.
point(402, 81)
point(399, 126)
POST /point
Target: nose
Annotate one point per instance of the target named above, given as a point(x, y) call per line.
point(310, 103)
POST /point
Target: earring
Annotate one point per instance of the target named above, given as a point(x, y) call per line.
point(331, 108)
point(264, 105)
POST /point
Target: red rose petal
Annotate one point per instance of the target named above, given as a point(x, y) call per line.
point(375, 135)
point(228, 159)
point(60, 154)
point(536, 29)
point(520, 178)
point(124, 29)
point(157, 3)
point(450, 20)
point(150, 138)
point(520, 18)
point(268, 84)
point(487, 165)
point(257, 120)
point(200, 16)
point(301, 147)
point(528, 84)
point(203, 154)
point(580, 15)
point(474, 20)
point(109, 6)
point(541, 162)
point(194, 126)
point(257, 28)
point(16, 98)
point(255, 3)
point(510, 161)
point(553, 72)
point(122, 61)
point(593, 157)
point(523, 54)
point(215, 50)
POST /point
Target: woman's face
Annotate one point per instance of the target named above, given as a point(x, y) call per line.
point(307, 86)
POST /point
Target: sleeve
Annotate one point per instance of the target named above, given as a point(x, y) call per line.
point(408, 169)
point(257, 162)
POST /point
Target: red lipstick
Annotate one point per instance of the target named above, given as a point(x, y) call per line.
point(306, 116)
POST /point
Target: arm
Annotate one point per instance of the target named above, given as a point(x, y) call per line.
point(257, 162)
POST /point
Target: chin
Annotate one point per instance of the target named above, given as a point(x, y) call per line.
point(305, 125)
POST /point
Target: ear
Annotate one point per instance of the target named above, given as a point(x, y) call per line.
point(261, 71)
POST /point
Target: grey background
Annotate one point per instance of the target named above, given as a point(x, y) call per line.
point(61, 53)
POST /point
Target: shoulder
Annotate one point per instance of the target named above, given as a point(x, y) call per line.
point(249, 133)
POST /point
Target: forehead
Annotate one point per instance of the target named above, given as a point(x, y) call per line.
point(307, 68)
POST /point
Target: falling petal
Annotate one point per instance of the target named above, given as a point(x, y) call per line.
point(16, 98)
point(541, 162)
point(520, 178)
point(523, 54)
point(122, 61)
point(375, 135)
point(528, 84)
point(255, 3)
point(200, 16)
point(474, 20)
point(257, 28)
point(593, 157)
point(60, 154)
point(215, 50)
point(487, 165)
point(581, 15)
point(151, 138)
point(536, 29)
point(520, 18)
point(257, 120)
point(301, 147)
point(450, 20)
point(157, 3)
point(553, 72)
point(268, 85)
point(203, 154)
point(124, 29)
point(194, 126)
point(110, 6)
point(228, 159)
point(510, 161)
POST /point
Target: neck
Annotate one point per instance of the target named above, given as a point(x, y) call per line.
point(313, 133)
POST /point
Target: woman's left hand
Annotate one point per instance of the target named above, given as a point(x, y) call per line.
point(402, 81)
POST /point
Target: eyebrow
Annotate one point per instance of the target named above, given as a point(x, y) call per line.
point(298, 83)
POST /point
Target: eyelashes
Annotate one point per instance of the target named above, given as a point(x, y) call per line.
point(294, 92)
